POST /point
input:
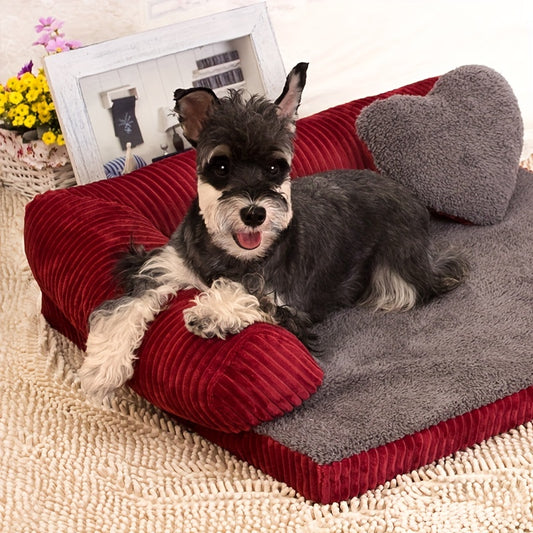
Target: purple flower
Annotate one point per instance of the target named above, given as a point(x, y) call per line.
point(51, 38)
point(43, 39)
point(48, 24)
point(72, 44)
point(56, 44)
point(26, 68)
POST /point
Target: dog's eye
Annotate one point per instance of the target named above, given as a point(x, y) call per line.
point(276, 168)
point(219, 165)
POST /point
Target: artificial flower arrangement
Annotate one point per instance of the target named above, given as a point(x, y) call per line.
point(26, 104)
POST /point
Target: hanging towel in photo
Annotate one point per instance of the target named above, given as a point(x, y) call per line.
point(125, 122)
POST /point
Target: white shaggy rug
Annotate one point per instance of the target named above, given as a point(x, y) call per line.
point(69, 466)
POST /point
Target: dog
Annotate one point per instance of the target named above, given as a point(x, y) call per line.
point(261, 247)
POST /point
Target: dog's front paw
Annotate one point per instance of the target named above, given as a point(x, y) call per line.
point(100, 381)
point(205, 324)
point(224, 309)
point(106, 368)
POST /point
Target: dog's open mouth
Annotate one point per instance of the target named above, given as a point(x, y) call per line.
point(248, 240)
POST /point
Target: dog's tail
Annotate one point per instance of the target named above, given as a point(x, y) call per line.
point(449, 268)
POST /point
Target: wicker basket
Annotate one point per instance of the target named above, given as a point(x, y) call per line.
point(33, 168)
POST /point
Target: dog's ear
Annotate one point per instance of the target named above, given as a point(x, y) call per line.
point(289, 99)
point(193, 107)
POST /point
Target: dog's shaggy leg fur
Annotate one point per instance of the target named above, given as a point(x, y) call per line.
point(441, 272)
point(116, 331)
point(116, 328)
point(390, 292)
point(225, 308)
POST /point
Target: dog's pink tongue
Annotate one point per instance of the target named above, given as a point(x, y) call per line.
point(248, 241)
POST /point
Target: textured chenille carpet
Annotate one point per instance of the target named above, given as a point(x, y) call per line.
point(69, 466)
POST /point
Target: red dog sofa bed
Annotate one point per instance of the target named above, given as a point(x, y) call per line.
point(389, 393)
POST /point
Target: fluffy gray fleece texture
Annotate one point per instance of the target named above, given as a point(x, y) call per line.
point(389, 375)
point(458, 147)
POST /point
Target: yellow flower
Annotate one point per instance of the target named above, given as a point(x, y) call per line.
point(22, 110)
point(3, 99)
point(42, 107)
point(29, 121)
point(15, 97)
point(27, 78)
point(23, 86)
point(32, 95)
point(41, 80)
point(45, 117)
point(36, 85)
point(18, 121)
point(60, 140)
point(13, 84)
point(49, 137)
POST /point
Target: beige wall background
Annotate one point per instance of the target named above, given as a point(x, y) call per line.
point(355, 48)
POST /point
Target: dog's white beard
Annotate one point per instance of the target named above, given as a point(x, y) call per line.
point(222, 218)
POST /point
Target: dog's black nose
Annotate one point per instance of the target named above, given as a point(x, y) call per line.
point(253, 215)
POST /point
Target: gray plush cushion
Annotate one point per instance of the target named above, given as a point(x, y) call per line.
point(458, 148)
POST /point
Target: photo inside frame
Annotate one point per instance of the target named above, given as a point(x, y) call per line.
point(220, 66)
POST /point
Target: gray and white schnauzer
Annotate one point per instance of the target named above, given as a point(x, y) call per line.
point(261, 247)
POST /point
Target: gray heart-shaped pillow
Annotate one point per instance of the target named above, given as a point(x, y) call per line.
point(458, 148)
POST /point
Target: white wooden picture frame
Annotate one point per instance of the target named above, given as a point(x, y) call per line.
point(151, 65)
